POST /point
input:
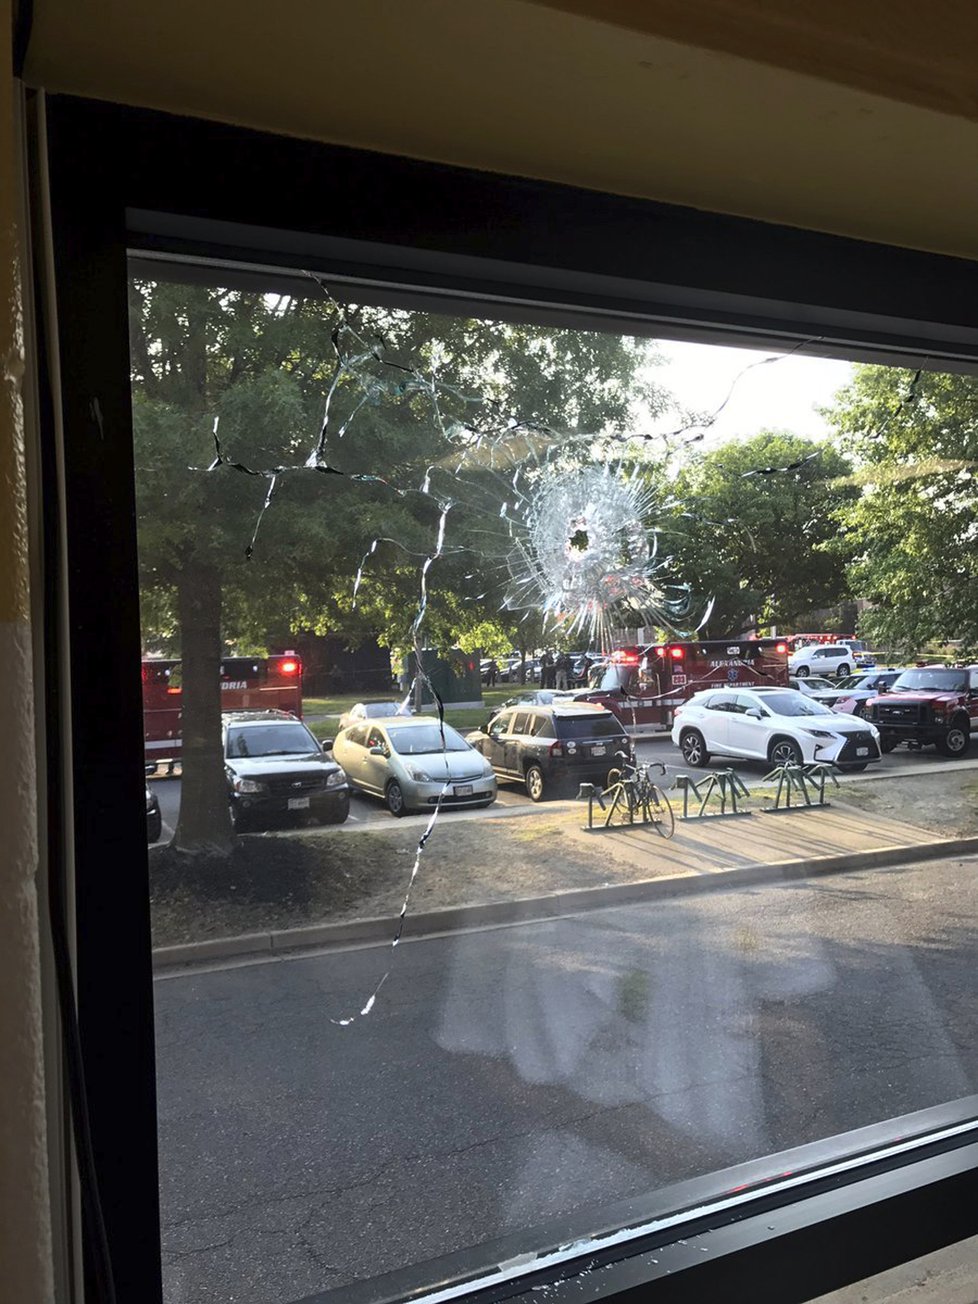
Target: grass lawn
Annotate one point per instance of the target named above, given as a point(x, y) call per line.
point(463, 720)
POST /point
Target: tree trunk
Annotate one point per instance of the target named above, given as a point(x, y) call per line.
point(204, 826)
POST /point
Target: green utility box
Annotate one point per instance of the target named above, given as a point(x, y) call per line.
point(455, 674)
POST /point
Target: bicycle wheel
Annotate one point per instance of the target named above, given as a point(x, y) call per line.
point(622, 808)
point(660, 810)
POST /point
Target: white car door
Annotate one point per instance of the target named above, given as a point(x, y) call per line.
point(748, 735)
point(714, 722)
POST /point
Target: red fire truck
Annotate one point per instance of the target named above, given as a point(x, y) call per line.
point(644, 685)
point(247, 684)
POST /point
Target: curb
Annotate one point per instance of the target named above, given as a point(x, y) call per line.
point(496, 914)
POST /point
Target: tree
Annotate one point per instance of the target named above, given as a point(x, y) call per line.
point(913, 527)
point(263, 365)
point(763, 546)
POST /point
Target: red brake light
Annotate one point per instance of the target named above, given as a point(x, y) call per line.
point(677, 653)
point(289, 667)
point(781, 647)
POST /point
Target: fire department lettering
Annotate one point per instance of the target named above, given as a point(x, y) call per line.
point(233, 683)
point(726, 662)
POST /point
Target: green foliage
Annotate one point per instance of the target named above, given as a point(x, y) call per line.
point(263, 365)
point(913, 527)
point(765, 546)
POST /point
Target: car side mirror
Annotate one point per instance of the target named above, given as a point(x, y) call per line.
point(883, 688)
point(378, 751)
point(755, 713)
point(327, 744)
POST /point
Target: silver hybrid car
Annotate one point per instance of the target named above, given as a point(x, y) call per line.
point(406, 761)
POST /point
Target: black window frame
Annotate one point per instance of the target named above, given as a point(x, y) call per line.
point(179, 188)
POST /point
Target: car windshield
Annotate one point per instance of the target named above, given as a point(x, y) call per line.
point(793, 704)
point(856, 681)
point(940, 681)
point(270, 740)
point(588, 726)
point(422, 739)
point(820, 684)
point(374, 710)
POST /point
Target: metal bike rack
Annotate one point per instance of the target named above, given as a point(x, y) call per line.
point(594, 793)
point(805, 781)
point(722, 784)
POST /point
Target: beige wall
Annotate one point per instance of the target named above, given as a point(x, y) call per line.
point(25, 1242)
point(614, 95)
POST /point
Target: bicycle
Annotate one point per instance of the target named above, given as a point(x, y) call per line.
point(632, 792)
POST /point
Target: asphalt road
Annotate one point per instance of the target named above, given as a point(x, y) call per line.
point(515, 1077)
point(366, 810)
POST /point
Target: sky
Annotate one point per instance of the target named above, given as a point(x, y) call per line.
point(780, 395)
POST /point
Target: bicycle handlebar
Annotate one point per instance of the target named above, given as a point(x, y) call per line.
point(630, 764)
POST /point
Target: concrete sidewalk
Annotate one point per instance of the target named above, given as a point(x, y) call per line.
point(704, 846)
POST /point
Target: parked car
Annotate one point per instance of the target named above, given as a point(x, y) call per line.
point(826, 659)
point(929, 704)
point(154, 819)
point(275, 767)
point(547, 748)
point(410, 764)
point(543, 697)
point(822, 690)
point(509, 670)
point(373, 711)
point(776, 725)
point(853, 693)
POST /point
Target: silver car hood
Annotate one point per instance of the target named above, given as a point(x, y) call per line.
point(460, 765)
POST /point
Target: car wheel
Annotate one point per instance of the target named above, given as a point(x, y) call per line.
point(842, 672)
point(802, 672)
point(956, 741)
point(692, 744)
point(394, 797)
point(535, 784)
point(785, 751)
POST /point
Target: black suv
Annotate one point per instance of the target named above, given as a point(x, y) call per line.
point(275, 767)
point(552, 747)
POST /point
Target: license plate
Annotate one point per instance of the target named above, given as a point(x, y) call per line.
point(298, 803)
point(599, 750)
point(862, 751)
point(463, 790)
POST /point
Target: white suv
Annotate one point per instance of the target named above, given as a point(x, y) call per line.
point(776, 725)
point(822, 659)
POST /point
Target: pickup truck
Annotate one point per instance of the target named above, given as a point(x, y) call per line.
point(929, 704)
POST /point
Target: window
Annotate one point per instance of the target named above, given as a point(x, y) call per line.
point(521, 723)
point(719, 702)
point(540, 1068)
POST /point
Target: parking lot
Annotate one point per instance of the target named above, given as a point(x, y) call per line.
point(370, 811)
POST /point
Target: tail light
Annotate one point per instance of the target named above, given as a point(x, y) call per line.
point(677, 653)
point(781, 647)
point(556, 749)
point(289, 667)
